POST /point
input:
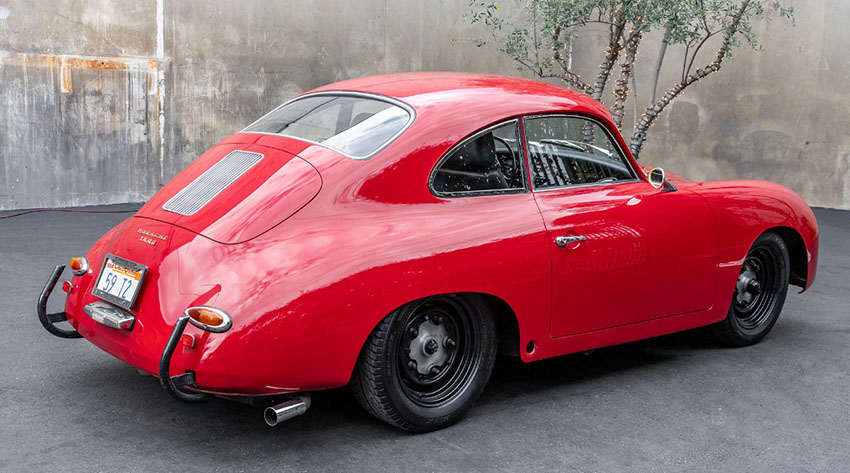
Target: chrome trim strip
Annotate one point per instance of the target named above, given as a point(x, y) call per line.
point(589, 184)
point(212, 182)
point(342, 93)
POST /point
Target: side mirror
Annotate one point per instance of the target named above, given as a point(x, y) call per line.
point(657, 176)
point(658, 180)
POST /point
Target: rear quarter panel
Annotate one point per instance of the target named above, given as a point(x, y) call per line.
point(306, 295)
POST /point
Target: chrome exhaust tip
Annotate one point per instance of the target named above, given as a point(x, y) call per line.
point(287, 410)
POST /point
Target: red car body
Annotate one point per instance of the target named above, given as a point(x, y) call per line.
point(309, 250)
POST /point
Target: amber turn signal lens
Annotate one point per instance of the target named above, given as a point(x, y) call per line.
point(209, 318)
point(79, 265)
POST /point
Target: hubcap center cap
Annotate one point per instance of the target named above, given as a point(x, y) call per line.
point(431, 347)
point(747, 287)
point(428, 348)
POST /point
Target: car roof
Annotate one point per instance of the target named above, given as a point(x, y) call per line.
point(505, 95)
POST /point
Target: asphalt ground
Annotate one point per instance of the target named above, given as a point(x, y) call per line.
point(675, 403)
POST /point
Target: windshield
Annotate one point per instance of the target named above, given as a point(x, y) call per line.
point(356, 126)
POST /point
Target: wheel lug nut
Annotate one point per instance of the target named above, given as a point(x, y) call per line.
point(435, 370)
point(438, 320)
point(414, 331)
point(450, 343)
point(411, 365)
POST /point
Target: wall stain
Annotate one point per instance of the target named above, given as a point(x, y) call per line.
point(77, 129)
point(67, 63)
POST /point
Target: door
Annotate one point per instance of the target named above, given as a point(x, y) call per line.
point(622, 251)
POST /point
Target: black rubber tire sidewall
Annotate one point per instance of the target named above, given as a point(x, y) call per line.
point(730, 330)
point(379, 369)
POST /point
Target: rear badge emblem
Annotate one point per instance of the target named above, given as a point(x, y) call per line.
point(150, 237)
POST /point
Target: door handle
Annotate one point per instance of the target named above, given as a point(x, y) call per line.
point(563, 241)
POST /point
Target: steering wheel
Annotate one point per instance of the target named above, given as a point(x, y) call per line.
point(513, 155)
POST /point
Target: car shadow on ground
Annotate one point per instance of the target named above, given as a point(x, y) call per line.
point(123, 393)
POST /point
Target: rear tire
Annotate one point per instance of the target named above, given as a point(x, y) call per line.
point(759, 293)
point(427, 362)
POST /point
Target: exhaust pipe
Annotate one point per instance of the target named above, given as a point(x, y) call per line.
point(287, 410)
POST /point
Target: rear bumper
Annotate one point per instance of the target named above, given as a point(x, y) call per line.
point(151, 344)
point(117, 319)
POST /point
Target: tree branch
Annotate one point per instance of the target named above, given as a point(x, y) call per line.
point(656, 71)
point(651, 114)
point(569, 77)
point(696, 50)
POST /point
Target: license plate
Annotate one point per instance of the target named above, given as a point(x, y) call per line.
point(119, 281)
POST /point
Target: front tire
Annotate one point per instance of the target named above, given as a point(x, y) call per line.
point(759, 293)
point(427, 362)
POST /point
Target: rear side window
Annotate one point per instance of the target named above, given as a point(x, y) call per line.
point(489, 162)
point(567, 151)
point(356, 126)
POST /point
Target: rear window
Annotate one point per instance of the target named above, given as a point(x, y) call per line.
point(356, 126)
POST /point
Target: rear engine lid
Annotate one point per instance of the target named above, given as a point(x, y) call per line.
point(235, 192)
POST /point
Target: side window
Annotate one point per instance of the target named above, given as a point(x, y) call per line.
point(489, 161)
point(572, 150)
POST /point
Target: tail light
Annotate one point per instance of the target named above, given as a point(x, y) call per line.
point(209, 318)
point(79, 265)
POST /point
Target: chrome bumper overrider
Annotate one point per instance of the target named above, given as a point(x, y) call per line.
point(47, 320)
point(172, 384)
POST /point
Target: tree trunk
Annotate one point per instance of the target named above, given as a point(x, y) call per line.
point(634, 103)
point(621, 89)
point(611, 54)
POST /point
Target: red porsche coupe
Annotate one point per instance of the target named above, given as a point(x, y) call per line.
point(394, 233)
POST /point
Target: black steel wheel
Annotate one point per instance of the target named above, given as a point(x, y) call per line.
point(427, 362)
point(759, 293)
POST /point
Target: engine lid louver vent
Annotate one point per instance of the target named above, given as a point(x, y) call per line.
point(209, 184)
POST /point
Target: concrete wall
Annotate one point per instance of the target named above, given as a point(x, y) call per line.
point(103, 101)
point(780, 114)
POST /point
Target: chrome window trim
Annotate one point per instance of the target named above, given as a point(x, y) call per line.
point(626, 161)
point(341, 93)
point(474, 135)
